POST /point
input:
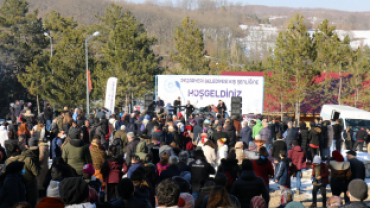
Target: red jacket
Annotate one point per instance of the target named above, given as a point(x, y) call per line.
point(263, 168)
point(298, 157)
point(324, 173)
point(47, 202)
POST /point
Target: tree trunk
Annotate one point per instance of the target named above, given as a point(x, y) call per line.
point(297, 113)
point(126, 105)
point(281, 111)
point(38, 104)
point(340, 87)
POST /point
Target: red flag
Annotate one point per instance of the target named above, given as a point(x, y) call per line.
point(88, 77)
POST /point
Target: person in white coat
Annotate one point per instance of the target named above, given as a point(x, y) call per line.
point(3, 134)
point(210, 152)
point(222, 150)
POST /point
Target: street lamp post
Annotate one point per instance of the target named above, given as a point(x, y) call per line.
point(87, 71)
point(51, 47)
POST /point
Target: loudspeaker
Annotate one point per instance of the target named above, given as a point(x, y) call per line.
point(148, 102)
point(236, 106)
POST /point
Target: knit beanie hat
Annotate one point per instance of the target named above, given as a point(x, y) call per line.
point(186, 200)
point(53, 190)
point(73, 190)
point(74, 133)
point(221, 141)
point(179, 115)
point(257, 202)
point(337, 156)
point(189, 146)
point(89, 169)
point(316, 160)
point(358, 189)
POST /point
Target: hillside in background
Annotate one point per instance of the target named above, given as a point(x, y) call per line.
point(225, 40)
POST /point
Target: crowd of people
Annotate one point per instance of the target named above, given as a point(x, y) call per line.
point(152, 159)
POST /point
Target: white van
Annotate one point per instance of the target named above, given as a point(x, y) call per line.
point(349, 116)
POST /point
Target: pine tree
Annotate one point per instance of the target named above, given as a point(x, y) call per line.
point(68, 64)
point(127, 55)
point(21, 43)
point(190, 49)
point(293, 55)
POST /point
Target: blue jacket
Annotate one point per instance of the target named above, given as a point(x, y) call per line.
point(292, 134)
point(132, 168)
point(56, 143)
point(160, 136)
point(246, 134)
point(281, 172)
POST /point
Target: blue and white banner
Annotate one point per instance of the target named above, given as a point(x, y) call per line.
point(204, 90)
point(110, 94)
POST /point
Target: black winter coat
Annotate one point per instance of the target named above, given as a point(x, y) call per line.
point(219, 135)
point(48, 114)
point(337, 131)
point(170, 172)
point(303, 138)
point(200, 171)
point(119, 145)
point(277, 146)
point(249, 186)
point(357, 169)
point(315, 136)
point(13, 191)
point(230, 130)
point(131, 149)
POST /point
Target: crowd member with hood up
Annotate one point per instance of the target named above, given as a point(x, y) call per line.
point(230, 168)
point(263, 166)
point(76, 153)
point(30, 158)
point(13, 188)
point(314, 137)
point(74, 193)
point(113, 168)
point(340, 172)
point(248, 185)
point(298, 157)
point(44, 163)
point(257, 128)
point(230, 131)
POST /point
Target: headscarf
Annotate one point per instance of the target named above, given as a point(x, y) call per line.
point(337, 156)
point(257, 202)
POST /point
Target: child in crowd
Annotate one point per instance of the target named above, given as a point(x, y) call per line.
point(141, 187)
point(94, 184)
point(281, 171)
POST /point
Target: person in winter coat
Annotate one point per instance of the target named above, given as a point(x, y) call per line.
point(298, 158)
point(131, 146)
point(44, 163)
point(357, 192)
point(30, 158)
point(320, 176)
point(141, 150)
point(171, 171)
point(200, 171)
point(337, 129)
point(278, 145)
point(56, 145)
point(76, 153)
point(248, 185)
point(358, 169)
point(246, 134)
point(340, 172)
point(74, 193)
point(361, 136)
point(67, 123)
point(282, 171)
point(13, 187)
point(197, 129)
point(230, 130)
point(303, 135)
point(348, 138)
point(153, 150)
point(236, 123)
point(291, 135)
point(113, 169)
point(163, 163)
point(330, 131)
point(222, 150)
point(219, 134)
point(273, 130)
point(314, 137)
point(265, 134)
point(52, 198)
point(210, 152)
point(165, 148)
point(121, 134)
point(98, 156)
point(263, 166)
point(159, 134)
point(230, 168)
point(127, 199)
point(257, 128)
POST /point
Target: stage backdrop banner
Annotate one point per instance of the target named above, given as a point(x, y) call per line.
point(110, 94)
point(204, 90)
